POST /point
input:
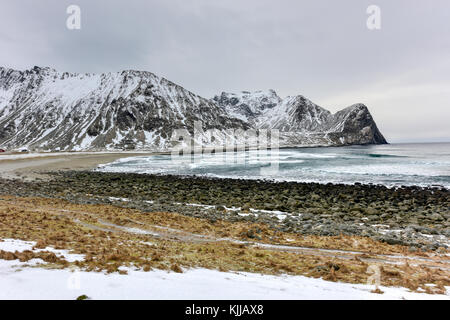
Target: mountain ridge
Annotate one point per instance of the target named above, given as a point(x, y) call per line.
point(47, 110)
point(302, 117)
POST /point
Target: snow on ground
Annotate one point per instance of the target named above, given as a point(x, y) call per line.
point(19, 281)
point(13, 245)
point(36, 283)
point(279, 214)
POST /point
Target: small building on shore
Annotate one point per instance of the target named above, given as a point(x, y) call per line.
point(127, 144)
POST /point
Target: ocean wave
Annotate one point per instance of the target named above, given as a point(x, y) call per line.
point(372, 164)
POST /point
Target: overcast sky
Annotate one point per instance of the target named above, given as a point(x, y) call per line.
point(320, 49)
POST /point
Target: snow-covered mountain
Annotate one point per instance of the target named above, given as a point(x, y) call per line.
point(43, 109)
point(300, 121)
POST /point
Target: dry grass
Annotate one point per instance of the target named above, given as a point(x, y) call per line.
point(55, 223)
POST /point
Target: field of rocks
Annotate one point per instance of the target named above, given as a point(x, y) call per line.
point(416, 217)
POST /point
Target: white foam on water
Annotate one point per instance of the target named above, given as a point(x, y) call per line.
point(391, 165)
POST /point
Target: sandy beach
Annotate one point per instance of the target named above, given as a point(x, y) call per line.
point(31, 166)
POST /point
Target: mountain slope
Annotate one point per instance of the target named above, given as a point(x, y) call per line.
point(301, 121)
point(247, 106)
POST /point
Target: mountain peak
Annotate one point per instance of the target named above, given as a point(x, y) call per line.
point(298, 117)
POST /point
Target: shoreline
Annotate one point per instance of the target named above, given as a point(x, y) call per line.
point(13, 163)
point(37, 166)
point(30, 168)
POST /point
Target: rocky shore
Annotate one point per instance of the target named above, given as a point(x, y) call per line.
point(412, 216)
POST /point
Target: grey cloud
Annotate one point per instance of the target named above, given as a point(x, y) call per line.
point(321, 49)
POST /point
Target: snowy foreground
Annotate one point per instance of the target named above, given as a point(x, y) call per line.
point(37, 283)
point(26, 281)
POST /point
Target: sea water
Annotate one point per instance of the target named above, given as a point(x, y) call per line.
point(426, 164)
